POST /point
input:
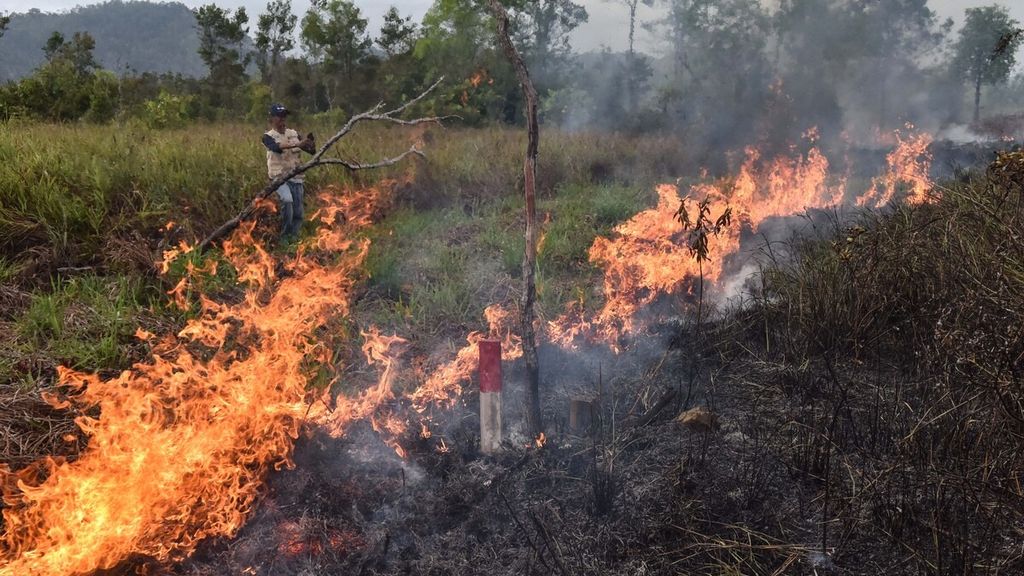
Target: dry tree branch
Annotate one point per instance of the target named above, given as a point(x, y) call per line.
point(372, 115)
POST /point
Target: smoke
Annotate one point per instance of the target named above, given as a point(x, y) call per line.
point(735, 73)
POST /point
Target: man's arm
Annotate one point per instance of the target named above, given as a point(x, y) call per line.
point(272, 144)
point(277, 148)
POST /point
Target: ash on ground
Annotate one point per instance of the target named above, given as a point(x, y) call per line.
point(704, 456)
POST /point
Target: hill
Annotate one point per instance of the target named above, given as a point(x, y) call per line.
point(130, 36)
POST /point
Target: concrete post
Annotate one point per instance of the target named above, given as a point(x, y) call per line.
point(490, 395)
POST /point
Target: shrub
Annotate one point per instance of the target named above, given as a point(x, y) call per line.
point(167, 111)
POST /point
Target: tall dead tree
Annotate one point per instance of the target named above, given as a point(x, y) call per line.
point(377, 113)
point(533, 418)
point(631, 61)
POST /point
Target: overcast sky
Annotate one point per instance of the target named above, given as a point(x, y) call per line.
point(604, 29)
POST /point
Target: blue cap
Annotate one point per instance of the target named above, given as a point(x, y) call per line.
point(278, 110)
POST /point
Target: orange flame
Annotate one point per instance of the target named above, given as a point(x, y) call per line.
point(181, 443)
point(475, 80)
point(649, 255)
point(172, 254)
point(646, 257)
point(908, 164)
point(372, 404)
point(445, 383)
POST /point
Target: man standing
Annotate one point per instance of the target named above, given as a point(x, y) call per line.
point(283, 145)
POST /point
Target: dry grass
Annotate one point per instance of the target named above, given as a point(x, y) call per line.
point(31, 429)
point(912, 406)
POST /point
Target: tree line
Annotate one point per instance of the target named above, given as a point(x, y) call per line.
point(721, 69)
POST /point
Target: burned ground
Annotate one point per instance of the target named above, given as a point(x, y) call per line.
point(812, 468)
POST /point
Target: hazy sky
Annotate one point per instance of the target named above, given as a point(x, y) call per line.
point(604, 29)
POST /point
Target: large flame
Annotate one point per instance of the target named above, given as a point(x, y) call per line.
point(908, 165)
point(374, 403)
point(650, 255)
point(178, 445)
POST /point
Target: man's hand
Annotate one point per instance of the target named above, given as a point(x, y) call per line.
point(309, 144)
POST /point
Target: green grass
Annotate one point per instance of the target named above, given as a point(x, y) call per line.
point(578, 214)
point(434, 268)
point(69, 187)
point(84, 322)
point(418, 267)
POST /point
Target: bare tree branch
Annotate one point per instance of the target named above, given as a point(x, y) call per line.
point(374, 114)
point(318, 159)
point(380, 164)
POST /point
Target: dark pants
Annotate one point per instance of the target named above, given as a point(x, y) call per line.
point(291, 208)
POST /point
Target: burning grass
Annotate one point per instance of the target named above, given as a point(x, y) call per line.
point(95, 206)
point(641, 494)
point(178, 445)
point(849, 454)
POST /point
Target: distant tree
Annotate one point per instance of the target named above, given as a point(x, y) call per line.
point(814, 45)
point(68, 85)
point(457, 42)
point(4, 21)
point(103, 97)
point(543, 29)
point(632, 6)
point(334, 33)
point(399, 75)
point(274, 35)
point(221, 35)
point(78, 52)
point(894, 35)
point(397, 34)
point(632, 73)
point(724, 35)
point(985, 52)
point(53, 45)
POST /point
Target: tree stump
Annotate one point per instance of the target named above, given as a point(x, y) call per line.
point(582, 415)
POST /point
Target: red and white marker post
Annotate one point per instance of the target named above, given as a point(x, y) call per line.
point(490, 395)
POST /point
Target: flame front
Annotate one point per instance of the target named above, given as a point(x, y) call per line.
point(908, 164)
point(380, 351)
point(178, 445)
point(649, 256)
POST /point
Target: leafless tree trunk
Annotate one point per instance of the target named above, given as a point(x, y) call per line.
point(374, 114)
point(977, 98)
point(533, 417)
point(630, 89)
point(631, 5)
